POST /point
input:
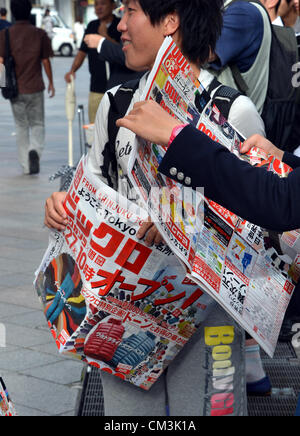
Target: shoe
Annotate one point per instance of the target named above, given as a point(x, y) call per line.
point(261, 388)
point(34, 162)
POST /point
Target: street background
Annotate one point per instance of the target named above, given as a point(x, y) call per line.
point(41, 382)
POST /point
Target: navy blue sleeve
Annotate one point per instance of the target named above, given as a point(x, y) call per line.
point(254, 194)
point(241, 37)
point(291, 160)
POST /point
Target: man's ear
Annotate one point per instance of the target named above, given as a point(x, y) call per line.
point(171, 24)
point(271, 3)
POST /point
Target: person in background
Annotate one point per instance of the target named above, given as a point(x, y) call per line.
point(289, 12)
point(79, 30)
point(114, 54)
point(31, 50)
point(245, 41)
point(106, 23)
point(272, 7)
point(3, 21)
point(48, 24)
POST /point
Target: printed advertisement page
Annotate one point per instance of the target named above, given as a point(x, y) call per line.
point(109, 299)
point(6, 405)
point(235, 262)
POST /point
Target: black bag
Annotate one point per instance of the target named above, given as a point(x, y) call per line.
point(11, 89)
point(280, 104)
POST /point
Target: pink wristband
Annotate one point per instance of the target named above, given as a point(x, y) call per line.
point(175, 132)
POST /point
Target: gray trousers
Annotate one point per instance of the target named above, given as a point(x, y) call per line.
point(206, 379)
point(29, 115)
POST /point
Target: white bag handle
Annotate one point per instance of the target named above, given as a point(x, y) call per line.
point(70, 112)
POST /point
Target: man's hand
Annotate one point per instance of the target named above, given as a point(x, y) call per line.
point(55, 214)
point(51, 90)
point(68, 76)
point(149, 121)
point(152, 234)
point(92, 41)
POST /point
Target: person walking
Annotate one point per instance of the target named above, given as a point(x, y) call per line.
point(31, 50)
point(106, 23)
point(3, 21)
point(48, 24)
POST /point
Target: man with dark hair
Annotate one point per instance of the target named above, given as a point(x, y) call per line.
point(31, 49)
point(3, 21)
point(189, 383)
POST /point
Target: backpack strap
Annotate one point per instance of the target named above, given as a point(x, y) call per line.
point(223, 96)
point(7, 44)
point(119, 105)
point(236, 74)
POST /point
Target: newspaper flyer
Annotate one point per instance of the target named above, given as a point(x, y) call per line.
point(109, 299)
point(6, 405)
point(236, 262)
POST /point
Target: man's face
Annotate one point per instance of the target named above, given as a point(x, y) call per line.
point(104, 9)
point(141, 40)
point(285, 8)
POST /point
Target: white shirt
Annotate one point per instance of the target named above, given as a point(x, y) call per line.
point(278, 22)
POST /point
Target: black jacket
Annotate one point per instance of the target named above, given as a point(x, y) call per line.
point(119, 73)
point(97, 67)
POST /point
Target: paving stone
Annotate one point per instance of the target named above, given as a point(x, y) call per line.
point(47, 389)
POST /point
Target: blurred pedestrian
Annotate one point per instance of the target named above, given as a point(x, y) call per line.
point(48, 24)
point(112, 53)
point(3, 21)
point(79, 30)
point(31, 49)
point(106, 24)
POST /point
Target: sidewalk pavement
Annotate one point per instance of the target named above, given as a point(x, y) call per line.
point(40, 381)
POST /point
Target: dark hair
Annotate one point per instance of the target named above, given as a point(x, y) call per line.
point(201, 23)
point(20, 9)
point(277, 6)
point(279, 3)
point(3, 12)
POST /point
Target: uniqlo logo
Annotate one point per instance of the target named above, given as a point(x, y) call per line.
point(289, 287)
point(63, 337)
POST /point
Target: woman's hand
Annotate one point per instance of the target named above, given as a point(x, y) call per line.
point(263, 143)
point(149, 121)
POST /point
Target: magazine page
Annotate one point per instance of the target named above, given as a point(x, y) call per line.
point(236, 262)
point(109, 299)
point(7, 407)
